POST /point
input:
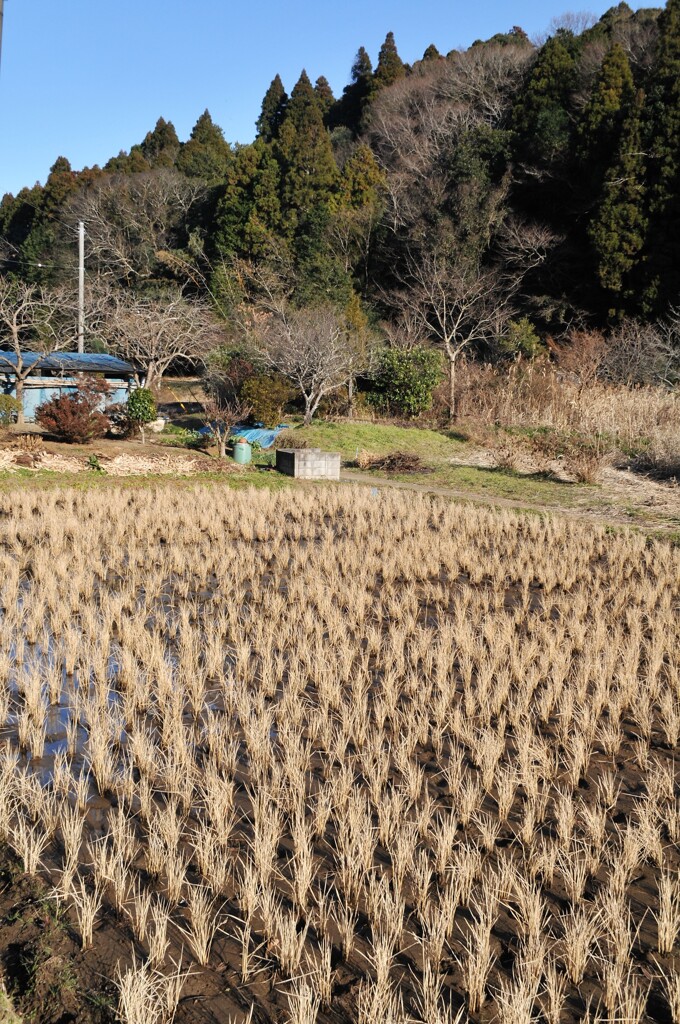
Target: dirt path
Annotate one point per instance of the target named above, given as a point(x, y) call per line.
point(612, 515)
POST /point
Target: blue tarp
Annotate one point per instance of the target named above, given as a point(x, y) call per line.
point(265, 438)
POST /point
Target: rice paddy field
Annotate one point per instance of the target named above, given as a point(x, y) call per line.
point(325, 755)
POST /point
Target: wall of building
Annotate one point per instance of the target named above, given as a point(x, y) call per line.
point(40, 390)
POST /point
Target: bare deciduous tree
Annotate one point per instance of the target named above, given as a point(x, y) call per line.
point(575, 22)
point(132, 219)
point(525, 245)
point(416, 124)
point(581, 357)
point(310, 347)
point(221, 416)
point(34, 319)
point(485, 79)
point(457, 303)
point(639, 353)
point(406, 330)
point(315, 349)
point(153, 332)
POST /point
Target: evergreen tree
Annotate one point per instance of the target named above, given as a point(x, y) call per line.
point(128, 163)
point(541, 118)
point(321, 275)
point(235, 205)
point(207, 154)
point(309, 171)
point(161, 146)
point(662, 139)
point(18, 212)
point(273, 111)
point(37, 239)
point(264, 221)
point(390, 65)
point(515, 37)
point(362, 69)
point(248, 215)
point(324, 95)
point(431, 54)
point(61, 183)
point(349, 109)
point(617, 232)
point(361, 180)
point(609, 104)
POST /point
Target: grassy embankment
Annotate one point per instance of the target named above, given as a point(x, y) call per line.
point(437, 449)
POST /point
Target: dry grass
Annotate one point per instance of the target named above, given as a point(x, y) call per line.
point(644, 422)
point(340, 737)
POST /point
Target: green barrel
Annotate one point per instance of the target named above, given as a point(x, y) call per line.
point(243, 453)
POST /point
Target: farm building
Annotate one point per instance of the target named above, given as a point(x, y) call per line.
point(58, 372)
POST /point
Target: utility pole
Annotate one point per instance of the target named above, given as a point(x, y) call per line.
point(81, 283)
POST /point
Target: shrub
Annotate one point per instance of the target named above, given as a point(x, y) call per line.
point(581, 456)
point(405, 379)
point(266, 396)
point(521, 340)
point(141, 406)
point(221, 417)
point(9, 409)
point(76, 417)
point(658, 455)
point(290, 439)
point(119, 423)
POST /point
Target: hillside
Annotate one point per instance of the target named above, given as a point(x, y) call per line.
point(552, 168)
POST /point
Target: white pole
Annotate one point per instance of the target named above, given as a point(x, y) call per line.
point(81, 286)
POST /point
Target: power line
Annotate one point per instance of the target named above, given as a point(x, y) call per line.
point(50, 216)
point(19, 259)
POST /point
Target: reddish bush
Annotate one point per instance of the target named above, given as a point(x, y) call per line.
point(76, 417)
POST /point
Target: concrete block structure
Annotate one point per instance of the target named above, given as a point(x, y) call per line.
point(308, 463)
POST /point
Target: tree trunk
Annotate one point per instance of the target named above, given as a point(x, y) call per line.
point(154, 378)
point(453, 410)
point(19, 391)
point(222, 442)
point(309, 412)
point(350, 397)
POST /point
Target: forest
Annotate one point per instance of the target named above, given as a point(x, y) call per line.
point(497, 202)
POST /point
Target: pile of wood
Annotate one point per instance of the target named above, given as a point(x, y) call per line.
point(393, 462)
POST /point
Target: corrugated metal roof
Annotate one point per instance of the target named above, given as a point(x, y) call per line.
point(67, 362)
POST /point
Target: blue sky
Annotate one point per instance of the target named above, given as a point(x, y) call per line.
point(86, 78)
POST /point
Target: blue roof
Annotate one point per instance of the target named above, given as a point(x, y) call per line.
point(67, 362)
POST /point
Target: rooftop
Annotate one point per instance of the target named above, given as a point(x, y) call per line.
point(67, 362)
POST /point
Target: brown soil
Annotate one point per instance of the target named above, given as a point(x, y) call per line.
point(52, 981)
point(117, 457)
point(49, 978)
